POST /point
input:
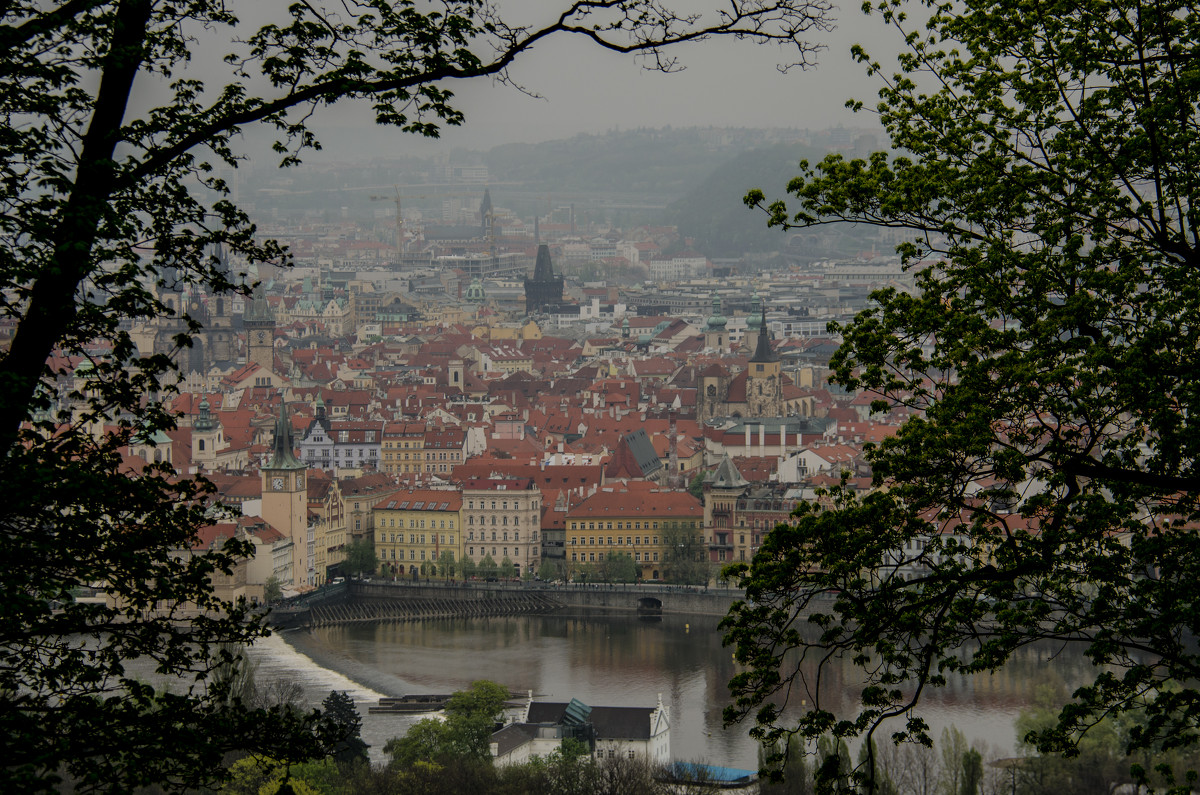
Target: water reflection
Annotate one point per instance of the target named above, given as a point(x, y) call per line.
point(618, 660)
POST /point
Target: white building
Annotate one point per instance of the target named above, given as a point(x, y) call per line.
point(612, 732)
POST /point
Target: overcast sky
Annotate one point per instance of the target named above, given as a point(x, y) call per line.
point(727, 83)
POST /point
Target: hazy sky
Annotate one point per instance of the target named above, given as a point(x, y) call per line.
point(584, 89)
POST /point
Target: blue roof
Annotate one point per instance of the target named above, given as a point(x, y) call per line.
point(694, 771)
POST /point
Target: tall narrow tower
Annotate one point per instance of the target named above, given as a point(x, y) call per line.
point(285, 496)
point(544, 292)
point(259, 321)
point(764, 387)
point(674, 476)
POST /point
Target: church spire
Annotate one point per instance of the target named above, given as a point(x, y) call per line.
point(762, 351)
point(282, 452)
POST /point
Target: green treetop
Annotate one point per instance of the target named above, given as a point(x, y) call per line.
point(1045, 487)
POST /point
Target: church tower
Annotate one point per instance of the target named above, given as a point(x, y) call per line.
point(714, 393)
point(260, 331)
point(716, 336)
point(285, 496)
point(207, 440)
point(764, 385)
point(544, 291)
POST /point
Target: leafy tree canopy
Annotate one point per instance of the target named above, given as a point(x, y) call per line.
point(1045, 486)
point(360, 557)
point(114, 210)
point(685, 561)
point(339, 710)
point(549, 570)
point(464, 735)
point(619, 567)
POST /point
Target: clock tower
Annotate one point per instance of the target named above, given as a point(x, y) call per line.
point(259, 323)
point(285, 496)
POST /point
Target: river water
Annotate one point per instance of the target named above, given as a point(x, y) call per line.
point(615, 660)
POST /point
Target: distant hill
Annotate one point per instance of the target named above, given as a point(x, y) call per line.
point(713, 213)
point(659, 165)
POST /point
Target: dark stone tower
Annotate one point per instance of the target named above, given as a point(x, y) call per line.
point(544, 291)
point(259, 322)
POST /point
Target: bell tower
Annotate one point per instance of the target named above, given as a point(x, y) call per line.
point(260, 331)
point(764, 386)
point(285, 495)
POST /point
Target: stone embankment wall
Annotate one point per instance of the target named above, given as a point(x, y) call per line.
point(382, 600)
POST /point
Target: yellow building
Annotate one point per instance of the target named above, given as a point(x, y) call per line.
point(638, 519)
point(416, 529)
point(403, 447)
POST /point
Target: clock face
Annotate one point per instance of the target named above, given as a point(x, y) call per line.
point(262, 335)
point(299, 481)
point(277, 483)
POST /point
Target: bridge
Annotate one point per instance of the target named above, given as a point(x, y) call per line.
point(385, 600)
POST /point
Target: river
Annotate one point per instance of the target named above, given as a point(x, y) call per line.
point(615, 660)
